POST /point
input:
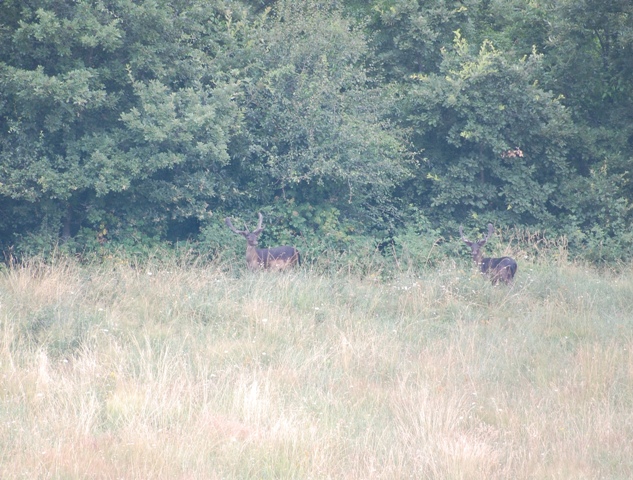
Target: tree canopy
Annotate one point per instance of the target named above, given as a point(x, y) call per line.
point(145, 121)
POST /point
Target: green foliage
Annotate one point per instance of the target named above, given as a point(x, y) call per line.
point(216, 241)
point(498, 148)
point(316, 128)
point(366, 132)
point(330, 242)
point(408, 36)
point(497, 141)
point(419, 246)
point(516, 27)
point(601, 34)
point(114, 107)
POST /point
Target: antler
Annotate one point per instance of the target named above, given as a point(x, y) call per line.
point(259, 228)
point(490, 232)
point(227, 220)
point(461, 234)
point(481, 242)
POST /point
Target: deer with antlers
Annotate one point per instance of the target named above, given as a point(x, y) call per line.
point(278, 258)
point(500, 269)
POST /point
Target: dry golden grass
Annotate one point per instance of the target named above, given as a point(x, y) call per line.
point(165, 371)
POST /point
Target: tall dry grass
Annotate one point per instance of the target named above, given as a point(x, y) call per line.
point(171, 371)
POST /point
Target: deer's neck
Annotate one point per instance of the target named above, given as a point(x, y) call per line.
point(484, 264)
point(478, 258)
point(253, 257)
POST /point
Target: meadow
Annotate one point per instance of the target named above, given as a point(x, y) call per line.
point(176, 370)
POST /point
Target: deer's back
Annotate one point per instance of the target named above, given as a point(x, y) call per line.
point(279, 257)
point(502, 268)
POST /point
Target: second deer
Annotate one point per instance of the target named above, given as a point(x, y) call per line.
point(501, 269)
point(278, 258)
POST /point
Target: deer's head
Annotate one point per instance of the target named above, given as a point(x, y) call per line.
point(476, 248)
point(251, 237)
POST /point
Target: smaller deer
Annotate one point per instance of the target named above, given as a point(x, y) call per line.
point(278, 258)
point(498, 269)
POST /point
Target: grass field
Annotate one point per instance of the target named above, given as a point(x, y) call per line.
point(208, 372)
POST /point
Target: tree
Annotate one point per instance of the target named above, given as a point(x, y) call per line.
point(408, 36)
point(589, 61)
point(496, 144)
point(315, 126)
point(111, 114)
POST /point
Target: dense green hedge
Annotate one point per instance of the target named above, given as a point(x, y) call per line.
point(353, 126)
